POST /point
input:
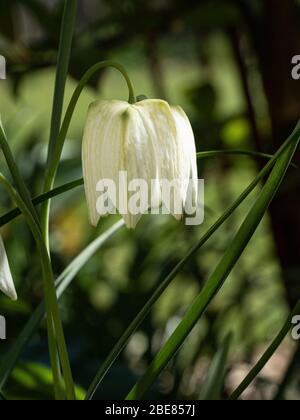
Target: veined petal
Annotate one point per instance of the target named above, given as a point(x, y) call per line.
point(189, 162)
point(102, 149)
point(149, 138)
point(165, 147)
point(6, 282)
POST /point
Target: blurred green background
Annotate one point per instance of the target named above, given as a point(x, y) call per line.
point(228, 64)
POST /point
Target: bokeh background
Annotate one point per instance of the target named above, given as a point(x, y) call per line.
point(228, 63)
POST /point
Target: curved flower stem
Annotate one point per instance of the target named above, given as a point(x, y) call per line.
point(54, 163)
point(53, 318)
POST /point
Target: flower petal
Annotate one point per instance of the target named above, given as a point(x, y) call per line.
point(102, 149)
point(164, 150)
point(189, 161)
point(6, 281)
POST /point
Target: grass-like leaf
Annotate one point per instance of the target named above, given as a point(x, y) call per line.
point(63, 59)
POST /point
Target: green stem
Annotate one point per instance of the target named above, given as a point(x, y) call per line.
point(122, 342)
point(64, 53)
point(15, 173)
point(54, 163)
point(237, 152)
point(63, 59)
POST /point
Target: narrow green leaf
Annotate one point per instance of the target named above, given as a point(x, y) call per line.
point(220, 274)
point(214, 382)
point(63, 60)
point(237, 152)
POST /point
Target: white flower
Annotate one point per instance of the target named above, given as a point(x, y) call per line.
point(149, 140)
point(6, 281)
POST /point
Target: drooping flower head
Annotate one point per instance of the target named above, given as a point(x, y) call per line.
point(6, 281)
point(148, 140)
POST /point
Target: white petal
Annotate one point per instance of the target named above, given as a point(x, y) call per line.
point(164, 148)
point(6, 281)
point(149, 127)
point(101, 150)
point(189, 162)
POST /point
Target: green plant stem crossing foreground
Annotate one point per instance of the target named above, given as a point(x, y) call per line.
point(219, 275)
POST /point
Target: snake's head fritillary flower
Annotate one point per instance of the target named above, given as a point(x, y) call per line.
point(6, 281)
point(148, 140)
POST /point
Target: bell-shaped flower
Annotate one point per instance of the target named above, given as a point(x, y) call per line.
point(6, 281)
point(149, 141)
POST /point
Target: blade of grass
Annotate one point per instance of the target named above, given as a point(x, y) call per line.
point(237, 152)
point(214, 382)
point(267, 355)
point(219, 275)
point(64, 53)
point(9, 360)
point(14, 170)
point(63, 60)
point(122, 342)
